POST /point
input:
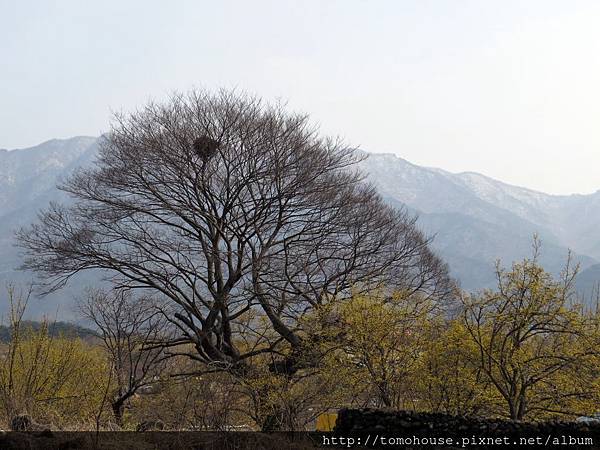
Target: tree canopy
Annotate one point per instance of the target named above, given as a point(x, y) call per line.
point(230, 208)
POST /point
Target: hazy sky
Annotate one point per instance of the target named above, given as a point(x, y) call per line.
point(507, 88)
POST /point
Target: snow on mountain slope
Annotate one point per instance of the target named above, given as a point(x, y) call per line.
point(521, 201)
point(25, 174)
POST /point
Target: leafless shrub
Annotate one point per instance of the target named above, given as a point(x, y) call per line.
point(129, 328)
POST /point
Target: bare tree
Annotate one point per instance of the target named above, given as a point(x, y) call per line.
point(128, 327)
point(227, 206)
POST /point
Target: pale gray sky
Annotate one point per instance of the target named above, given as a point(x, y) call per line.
point(507, 88)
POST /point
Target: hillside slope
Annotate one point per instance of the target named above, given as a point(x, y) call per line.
point(476, 219)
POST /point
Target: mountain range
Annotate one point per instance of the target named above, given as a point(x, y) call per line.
point(476, 219)
point(473, 219)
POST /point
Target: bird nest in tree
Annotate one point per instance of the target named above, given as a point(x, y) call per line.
point(205, 147)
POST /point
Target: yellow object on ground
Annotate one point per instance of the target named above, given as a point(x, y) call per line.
point(326, 422)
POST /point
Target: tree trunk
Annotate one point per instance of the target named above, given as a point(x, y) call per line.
point(522, 407)
point(512, 409)
point(118, 408)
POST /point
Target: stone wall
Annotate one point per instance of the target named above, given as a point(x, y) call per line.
point(386, 429)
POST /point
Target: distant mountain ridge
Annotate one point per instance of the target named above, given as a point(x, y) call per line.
point(28, 179)
point(55, 329)
point(475, 219)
